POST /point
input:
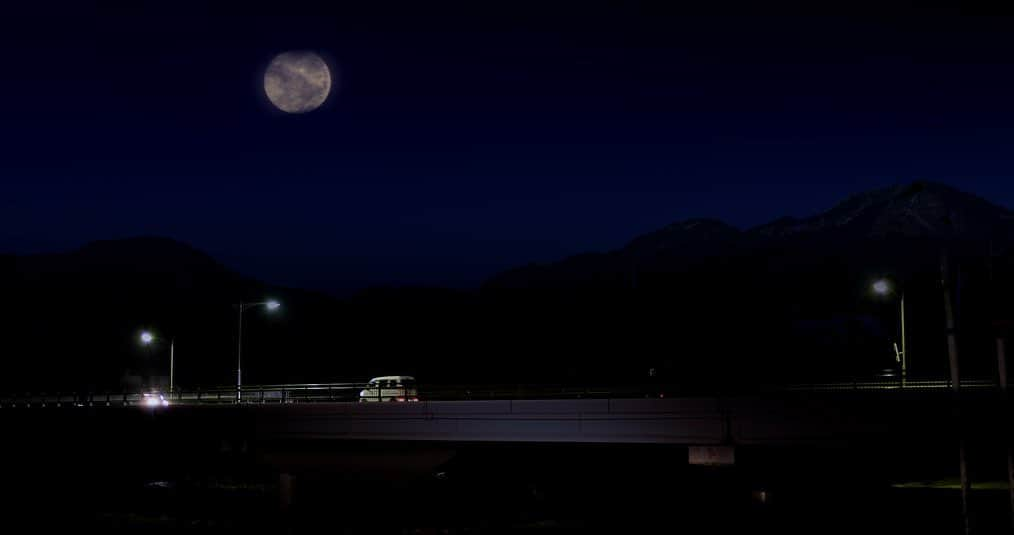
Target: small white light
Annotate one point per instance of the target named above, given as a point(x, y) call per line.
point(147, 337)
point(273, 305)
point(881, 287)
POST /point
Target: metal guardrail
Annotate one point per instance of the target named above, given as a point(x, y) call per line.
point(288, 393)
point(892, 385)
point(364, 392)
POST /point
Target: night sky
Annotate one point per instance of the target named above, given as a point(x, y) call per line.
point(468, 138)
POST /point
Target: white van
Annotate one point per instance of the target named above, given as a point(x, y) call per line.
point(390, 388)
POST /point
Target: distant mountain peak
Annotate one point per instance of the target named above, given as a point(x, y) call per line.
point(141, 242)
point(150, 252)
point(683, 234)
point(700, 223)
point(916, 209)
point(894, 217)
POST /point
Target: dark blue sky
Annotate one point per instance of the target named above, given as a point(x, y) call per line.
point(468, 138)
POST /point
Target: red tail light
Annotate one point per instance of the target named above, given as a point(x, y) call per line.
point(399, 399)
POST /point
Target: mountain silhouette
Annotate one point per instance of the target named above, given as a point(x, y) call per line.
point(884, 226)
point(704, 304)
point(73, 319)
point(712, 301)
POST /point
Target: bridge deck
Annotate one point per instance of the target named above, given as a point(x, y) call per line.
point(788, 418)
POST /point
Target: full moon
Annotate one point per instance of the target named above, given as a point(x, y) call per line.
point(297, 82)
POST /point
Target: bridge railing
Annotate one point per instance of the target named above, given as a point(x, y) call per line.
point(365, 392)
point(915, 385)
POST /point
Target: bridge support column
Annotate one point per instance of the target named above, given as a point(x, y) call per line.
point(712, 455)
point(285, 486)
point(1001, 363)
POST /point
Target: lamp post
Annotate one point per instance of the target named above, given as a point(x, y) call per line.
point(883, 287)
point(147, 338)
point(270, 305)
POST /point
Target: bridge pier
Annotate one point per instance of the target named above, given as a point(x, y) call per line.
point(285, 486)
point(712, 455)
point(234, 445)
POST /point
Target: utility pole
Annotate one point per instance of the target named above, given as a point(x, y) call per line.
point(1001, 328)
point(239, 355)
point(1001, 368)
point(172, 363)
point(952, 354)
point(904, 346)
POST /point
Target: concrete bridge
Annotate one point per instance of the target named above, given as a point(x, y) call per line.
point(800, 418)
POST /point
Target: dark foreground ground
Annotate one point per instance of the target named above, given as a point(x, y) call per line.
point(148, 487)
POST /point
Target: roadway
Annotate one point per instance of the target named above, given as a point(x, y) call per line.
point(350, 392)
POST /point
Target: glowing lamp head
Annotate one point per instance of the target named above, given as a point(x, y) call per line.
point(147, 337)
point(881, 287)
point(272, 305)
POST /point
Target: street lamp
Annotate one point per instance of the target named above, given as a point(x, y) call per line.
point(271, 305)
point(884, 288)
point(147, 338)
